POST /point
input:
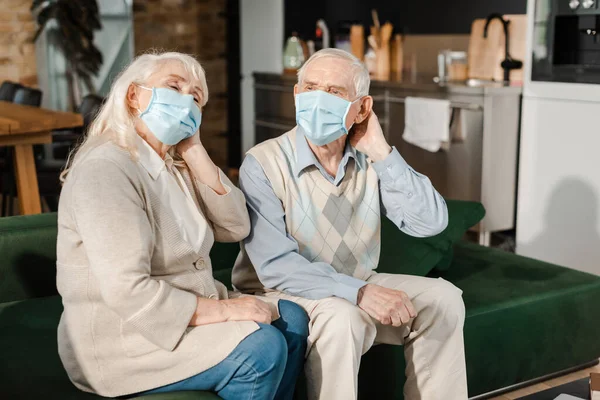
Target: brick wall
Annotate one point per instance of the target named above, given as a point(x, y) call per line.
point(197, 27)
point(17, 51)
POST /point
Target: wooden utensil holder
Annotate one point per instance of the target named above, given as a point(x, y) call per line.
point(383, 62)
point(396, 58)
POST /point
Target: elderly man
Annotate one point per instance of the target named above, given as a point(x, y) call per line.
point(314, 195)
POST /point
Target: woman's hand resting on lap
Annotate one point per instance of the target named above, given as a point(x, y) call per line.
point(209, 311)
point(247, 309)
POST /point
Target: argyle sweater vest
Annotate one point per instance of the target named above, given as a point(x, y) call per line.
point(338, 225)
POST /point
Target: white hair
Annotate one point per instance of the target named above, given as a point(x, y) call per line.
point(115, 120)
point(360, 74)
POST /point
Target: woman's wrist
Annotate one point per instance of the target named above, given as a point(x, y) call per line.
point(194, 152)
point(203, 168)
point(209, 311)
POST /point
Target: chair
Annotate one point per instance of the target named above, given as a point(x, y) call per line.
point(64, 140)
point(28, 96)
point(8, 90)
point(89, 108)
point(7, 93)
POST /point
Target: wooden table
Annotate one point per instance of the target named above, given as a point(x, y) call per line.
point(21, 127)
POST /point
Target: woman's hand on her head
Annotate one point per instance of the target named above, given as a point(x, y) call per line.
point(199, 162)
point(186, 144)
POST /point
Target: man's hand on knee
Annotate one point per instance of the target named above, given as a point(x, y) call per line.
point(388, 306)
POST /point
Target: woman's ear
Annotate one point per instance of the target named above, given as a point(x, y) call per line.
point(132, 98)
point(366, 106)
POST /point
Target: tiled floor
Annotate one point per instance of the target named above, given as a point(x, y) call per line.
point(548, 384)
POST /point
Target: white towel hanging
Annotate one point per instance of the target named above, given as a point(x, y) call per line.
point(427, 123)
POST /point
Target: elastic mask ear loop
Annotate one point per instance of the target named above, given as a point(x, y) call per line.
point(346, 115)
point(143, 87)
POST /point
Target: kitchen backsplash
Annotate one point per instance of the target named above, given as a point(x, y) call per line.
point(417, 17)
point(426, 49)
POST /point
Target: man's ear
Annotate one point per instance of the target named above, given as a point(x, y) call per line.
point(132, 98)
point(295, 89)
point(365, 109)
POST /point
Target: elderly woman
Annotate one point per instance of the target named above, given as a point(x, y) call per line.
point(141, 207)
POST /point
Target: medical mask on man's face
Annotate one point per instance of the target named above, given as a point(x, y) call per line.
point(322, 116)
point(171, 116)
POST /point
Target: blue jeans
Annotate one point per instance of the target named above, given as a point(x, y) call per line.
point(264, 366)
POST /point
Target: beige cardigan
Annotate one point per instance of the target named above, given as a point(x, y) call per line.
point(129, 280)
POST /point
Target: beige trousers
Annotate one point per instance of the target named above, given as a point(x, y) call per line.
point(340, 333)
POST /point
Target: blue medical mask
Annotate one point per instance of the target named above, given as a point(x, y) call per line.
point(322, 116)
point(171, 116)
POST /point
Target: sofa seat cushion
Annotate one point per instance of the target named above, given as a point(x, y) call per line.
point(28, 261)
point(525, 318)
point(29, 363)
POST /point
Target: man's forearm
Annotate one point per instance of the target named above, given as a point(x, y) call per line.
point(409, 199)
point(295, 275)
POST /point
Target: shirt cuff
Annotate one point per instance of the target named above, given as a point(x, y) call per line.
point(164, 320)
point(207, 193)
point(390, 168)
point(347, 287)
point(224, 181)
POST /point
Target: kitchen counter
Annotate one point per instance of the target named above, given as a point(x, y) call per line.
point(482, 167)
point(420, 86)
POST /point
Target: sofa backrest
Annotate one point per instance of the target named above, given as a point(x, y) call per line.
point(27, 257)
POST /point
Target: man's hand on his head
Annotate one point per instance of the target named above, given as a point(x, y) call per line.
point(388, 306)
point(367, 137)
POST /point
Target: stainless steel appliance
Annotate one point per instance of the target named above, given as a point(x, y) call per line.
point(566, 47)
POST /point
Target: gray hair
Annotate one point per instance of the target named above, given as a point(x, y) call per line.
point(115, 121)
point(361, 78)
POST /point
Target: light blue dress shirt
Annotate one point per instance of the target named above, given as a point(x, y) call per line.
point(407, 198)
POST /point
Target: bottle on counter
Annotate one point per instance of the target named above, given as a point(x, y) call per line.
point(318, 39)
point(293, 55)
point(322, 27)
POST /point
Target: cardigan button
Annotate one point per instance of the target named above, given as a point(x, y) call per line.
point(199, 264)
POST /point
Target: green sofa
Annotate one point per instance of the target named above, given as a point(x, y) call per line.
point(525, 318)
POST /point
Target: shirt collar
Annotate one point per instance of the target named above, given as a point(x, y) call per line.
point(305, 157)
point(150, 159)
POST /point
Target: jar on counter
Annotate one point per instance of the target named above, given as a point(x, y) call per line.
point(293, 55)
point(452, 66)
point(457, 66)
